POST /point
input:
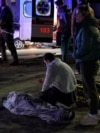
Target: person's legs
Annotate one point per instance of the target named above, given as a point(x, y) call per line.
point(53, 95)
point(10, 43)
point(50, 95)
point(67, 99)
point(64, 46)
point(3, 48)
point(89, 71)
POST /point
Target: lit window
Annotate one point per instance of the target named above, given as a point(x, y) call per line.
point(28, 9)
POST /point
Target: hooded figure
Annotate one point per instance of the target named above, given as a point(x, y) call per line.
point(6, 24)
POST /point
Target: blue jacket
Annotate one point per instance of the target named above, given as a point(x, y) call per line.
point(87, 41)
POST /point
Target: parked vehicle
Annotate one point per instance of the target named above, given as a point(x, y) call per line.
point(19, 44)
point(23, 29)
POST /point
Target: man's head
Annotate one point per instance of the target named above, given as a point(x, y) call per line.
point(48, 57)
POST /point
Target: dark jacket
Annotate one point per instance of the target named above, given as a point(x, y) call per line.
point(7, 19)
point(87, 41)
point(65, 20)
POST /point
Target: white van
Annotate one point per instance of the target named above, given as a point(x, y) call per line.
point(24, 33)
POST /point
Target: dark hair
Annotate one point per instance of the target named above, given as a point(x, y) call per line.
point(59, 2)
point(83, 2)
point(84, 9)
point(49, 56)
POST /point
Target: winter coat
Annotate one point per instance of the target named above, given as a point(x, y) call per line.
point(6, 17)
point(59, 75)
point(87, 41)
point(65, 20)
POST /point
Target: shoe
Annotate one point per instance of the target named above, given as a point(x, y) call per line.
point(89, 120)
point(14, 63)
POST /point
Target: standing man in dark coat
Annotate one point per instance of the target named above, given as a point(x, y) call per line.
point(6, 24)
point(64, 14)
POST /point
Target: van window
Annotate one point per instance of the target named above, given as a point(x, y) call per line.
point(27, 9)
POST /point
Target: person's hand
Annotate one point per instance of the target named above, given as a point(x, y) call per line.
point(41, 80)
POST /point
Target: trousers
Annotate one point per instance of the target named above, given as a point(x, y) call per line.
point(8, 39)
point(53, 95)
point(88, 71)
point(64, 46)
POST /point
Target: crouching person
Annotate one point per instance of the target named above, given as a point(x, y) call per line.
point(59, 84)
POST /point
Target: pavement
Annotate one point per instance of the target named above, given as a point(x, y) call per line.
point(33, 52)
point(25, 78)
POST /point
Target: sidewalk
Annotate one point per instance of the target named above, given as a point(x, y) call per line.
point(24, 78)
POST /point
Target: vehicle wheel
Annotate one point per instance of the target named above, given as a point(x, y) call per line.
point(18, 43)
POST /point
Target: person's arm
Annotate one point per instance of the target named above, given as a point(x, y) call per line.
point(85, 44)
point(49, 78)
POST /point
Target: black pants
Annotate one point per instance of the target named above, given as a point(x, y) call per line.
point(89, 72)
point(53, 95)
point(8, 38)
point(64, 46)
point(58, 38)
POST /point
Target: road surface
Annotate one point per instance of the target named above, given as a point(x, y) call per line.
point(33, 52)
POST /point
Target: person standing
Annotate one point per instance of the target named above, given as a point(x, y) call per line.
point(7, 30)
point(64, 14)
point(87, 54)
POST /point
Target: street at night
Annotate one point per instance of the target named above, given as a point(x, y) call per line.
point(25, 78)
point(70, 29)
point(34, 52)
